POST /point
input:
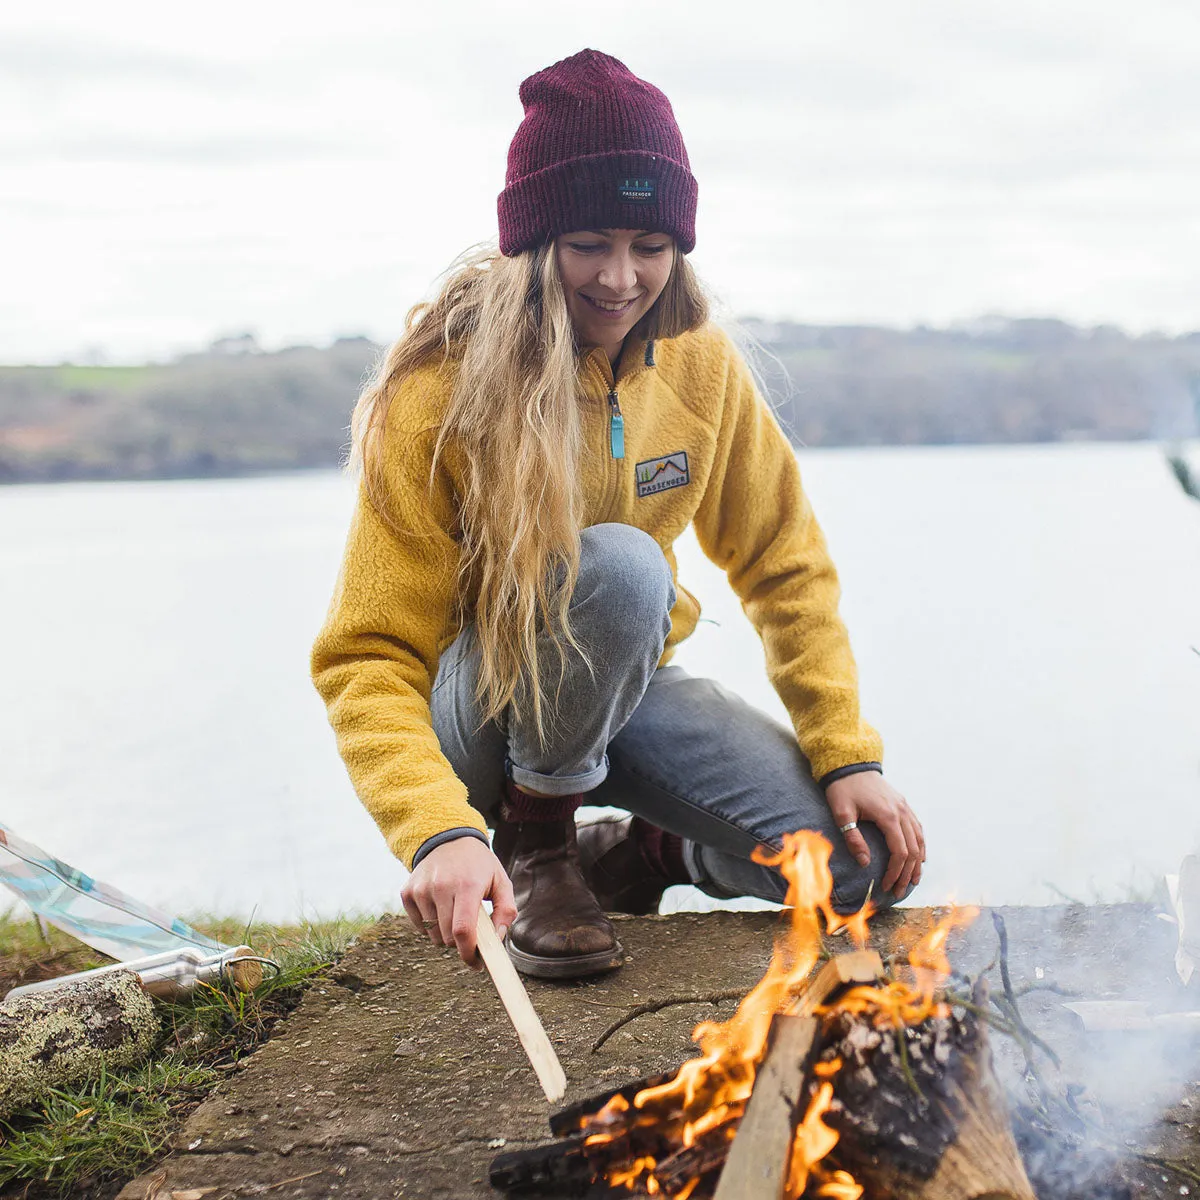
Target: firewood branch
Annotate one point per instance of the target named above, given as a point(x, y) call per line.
point(1011, 1009)
point(654, 1006)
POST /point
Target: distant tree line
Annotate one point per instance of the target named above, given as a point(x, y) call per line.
point(988, 381)
point(235, 409)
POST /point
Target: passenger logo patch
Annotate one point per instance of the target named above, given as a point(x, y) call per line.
point(659, 474)
point(636, 191)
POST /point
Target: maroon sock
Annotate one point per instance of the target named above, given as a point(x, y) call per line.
point(662, 851)
point(521, 806)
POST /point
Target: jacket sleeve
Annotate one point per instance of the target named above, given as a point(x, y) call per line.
point(756, 523)
point(375, 658)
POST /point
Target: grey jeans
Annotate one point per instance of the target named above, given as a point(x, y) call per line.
point(686, 754)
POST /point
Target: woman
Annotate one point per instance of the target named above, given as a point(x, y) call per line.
point(497, 649)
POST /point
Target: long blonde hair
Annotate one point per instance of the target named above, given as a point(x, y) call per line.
point(514, 420)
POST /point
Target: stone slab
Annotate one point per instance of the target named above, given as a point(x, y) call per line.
point(400, 1076)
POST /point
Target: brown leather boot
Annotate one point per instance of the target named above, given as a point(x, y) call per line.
point(622, 859)
point(560, 931)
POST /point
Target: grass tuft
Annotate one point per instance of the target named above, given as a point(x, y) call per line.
point(101, 1131)
point(90, 1139)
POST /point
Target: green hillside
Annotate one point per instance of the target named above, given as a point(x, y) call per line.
point(235, 409)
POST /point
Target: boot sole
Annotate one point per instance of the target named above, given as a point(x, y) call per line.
point(566, 966)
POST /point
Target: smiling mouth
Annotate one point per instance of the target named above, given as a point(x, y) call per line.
point(610, 306)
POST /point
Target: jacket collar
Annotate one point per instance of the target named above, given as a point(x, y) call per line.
point(637, 356)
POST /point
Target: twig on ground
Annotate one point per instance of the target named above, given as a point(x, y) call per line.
point(658, 1005)
point(905, 1065)
point(294, 1179)
point(1046, 986)
point(1167, 1164)
point(155, 1184)
point(1005, 978)
point(1028, 1037)
point(1024, 1034)
point(259, 1189)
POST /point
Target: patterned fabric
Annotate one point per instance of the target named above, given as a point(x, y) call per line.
point(96, 913)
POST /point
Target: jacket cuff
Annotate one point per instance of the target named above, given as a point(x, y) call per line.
point(448, 835)
point(842, 772)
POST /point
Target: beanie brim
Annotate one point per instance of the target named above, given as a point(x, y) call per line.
point(593, 192)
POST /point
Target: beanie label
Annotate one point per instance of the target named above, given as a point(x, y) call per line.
point(637, 191)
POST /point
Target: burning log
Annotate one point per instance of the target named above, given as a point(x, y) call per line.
point(823, 1083)
point(919, 1113)
point(758, 1160)
point(567, 1120)
point(757, 1167)
point(555, 1168)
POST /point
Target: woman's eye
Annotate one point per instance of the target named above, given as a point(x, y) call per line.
point(644, 249)
point(585, 247)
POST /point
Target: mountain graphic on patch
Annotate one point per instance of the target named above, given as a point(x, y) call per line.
point(659, 474)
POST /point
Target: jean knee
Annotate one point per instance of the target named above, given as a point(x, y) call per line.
point(624, 576)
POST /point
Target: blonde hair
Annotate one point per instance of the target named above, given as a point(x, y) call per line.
point(514, 420)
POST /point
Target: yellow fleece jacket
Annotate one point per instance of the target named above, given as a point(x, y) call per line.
point(701, 448)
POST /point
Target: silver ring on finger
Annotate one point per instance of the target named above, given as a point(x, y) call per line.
point(849, 825)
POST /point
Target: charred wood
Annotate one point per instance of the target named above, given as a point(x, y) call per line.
point(894, 1096)
point(706, 1156)
point(920, 1112)
point(557, 1168)
point(568, 1120)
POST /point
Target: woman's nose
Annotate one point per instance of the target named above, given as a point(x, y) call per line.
point(618, 274)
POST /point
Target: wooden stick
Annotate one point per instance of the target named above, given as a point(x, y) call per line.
point(520, 1011)
point(843, 970)
point(757, 1166)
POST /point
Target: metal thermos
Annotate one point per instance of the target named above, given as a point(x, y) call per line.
point(171, 974)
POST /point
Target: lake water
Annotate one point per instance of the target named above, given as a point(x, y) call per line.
point(1023, 618)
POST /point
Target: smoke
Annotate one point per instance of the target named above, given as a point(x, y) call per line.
point(1093, 1110)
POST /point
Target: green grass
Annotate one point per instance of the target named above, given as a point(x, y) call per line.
point(101, 378)
point(105, 1130)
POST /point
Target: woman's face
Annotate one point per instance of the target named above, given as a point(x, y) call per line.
point(611, 278)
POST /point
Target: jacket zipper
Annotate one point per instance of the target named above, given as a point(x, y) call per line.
point(616, 425)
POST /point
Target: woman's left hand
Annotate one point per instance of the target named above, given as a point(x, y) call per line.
point(867, 796)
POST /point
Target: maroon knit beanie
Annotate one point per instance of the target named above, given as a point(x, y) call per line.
point(598, 149)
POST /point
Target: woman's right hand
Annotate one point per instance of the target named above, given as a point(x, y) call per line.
point(443, 894)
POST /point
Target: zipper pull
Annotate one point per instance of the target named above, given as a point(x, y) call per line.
point(616, 426)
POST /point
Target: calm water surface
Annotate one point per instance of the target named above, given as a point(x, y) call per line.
point(1023, 617)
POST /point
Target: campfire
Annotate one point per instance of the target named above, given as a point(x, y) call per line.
point(834, 1079)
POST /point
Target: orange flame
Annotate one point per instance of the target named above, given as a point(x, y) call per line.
point(813, 1140)
point(709, 1093)
point(902, 1003)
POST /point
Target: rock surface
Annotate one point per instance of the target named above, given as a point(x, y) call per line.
point(400, 1076)
point(66, 1034)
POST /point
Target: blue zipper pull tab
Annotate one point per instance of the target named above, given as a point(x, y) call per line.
point(616, 426)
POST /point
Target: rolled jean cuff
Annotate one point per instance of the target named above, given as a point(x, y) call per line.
point(558, 785)
point(449, 835)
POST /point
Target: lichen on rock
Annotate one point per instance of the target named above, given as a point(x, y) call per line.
point(64, 1035)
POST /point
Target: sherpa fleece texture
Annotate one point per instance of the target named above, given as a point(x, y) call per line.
point(376, 657)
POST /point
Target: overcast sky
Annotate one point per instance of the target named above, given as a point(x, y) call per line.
point(171, 173)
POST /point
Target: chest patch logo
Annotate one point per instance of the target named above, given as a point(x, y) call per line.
point(659, 474)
